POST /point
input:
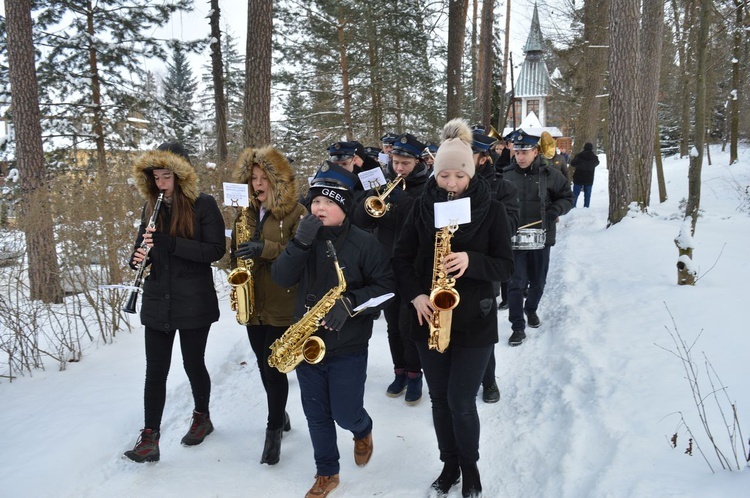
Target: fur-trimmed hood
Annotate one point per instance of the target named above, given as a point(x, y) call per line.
point(280, 175)
point(183, 171)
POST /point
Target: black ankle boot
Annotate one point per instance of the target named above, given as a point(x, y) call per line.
point(446, 480)
point(272, 448)
point(472, 485)
point(287, 423)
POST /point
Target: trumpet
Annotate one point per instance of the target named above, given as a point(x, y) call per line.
point(130, 305)
point(376, 205)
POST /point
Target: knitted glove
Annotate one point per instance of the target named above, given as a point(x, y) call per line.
point(307, 230)
point(336, 318)
point(250, 249)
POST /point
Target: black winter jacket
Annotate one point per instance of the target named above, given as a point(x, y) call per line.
point(179, 292)
point(505, 192)
point(366, 270)
point(487, 243)
point(585, 162)
point(543, 193)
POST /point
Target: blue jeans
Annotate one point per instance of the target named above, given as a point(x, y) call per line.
point(586, 194)
point(333, 392)
point(453, 380)
point(530, 271)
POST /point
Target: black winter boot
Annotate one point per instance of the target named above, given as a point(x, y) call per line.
point(287, 423)
point(146, 449)
point(398, 386)
point(472, 485)
point(199, 429)
point(272, 448)
point(449, 477)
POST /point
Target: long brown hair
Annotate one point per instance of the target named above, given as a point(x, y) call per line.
point(181, 211)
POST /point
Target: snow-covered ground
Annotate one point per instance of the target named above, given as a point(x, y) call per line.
point(589, 403)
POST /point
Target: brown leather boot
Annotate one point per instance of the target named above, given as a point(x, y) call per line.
point(363, 450)
point(323, 486)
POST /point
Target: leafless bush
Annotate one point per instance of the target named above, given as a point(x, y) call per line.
point(718, 397)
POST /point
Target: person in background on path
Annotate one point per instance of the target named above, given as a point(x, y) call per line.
point(584, 164)
point(271, 220)
point(179, 292)
point(544, 195)
point(406, 162)
point(505, 192)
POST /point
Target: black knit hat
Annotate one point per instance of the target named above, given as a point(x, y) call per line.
point(175, 148)
point(588, 146)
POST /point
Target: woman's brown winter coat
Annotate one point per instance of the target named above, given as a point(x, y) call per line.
point(274, 305)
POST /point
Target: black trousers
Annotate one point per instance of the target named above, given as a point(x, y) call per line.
point(453, 379)
point(274, 382)
point(403, 350)
point(158, 360)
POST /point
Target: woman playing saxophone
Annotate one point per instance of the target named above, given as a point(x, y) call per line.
point(261, 232)
point(476, 254)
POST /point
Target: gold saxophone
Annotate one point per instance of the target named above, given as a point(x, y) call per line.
point(376, 205)
point(442, 294)
point(242, 295)
point(298, 342)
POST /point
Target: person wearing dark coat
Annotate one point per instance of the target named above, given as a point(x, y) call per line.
point(271, 221)
point(584, 163)
point(544, 195)
point(505, 192)
point(480, 255)
point(333, 389)
point(406, 154)
point(179, 292)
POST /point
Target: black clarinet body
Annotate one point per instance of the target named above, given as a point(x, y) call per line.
point(133, 299)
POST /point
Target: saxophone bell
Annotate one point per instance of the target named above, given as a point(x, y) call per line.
point(376, 205)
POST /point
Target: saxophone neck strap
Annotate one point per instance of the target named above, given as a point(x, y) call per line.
point(261, 222)
point(325, 264)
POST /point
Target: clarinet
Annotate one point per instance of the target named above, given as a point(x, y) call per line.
point(130, 305)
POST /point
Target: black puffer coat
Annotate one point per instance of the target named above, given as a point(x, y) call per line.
point(543, 193)
point(390, 224)
point(366, 270)
point(505, 192)
point(487, 242)
point(179, 292)
point(585, 163)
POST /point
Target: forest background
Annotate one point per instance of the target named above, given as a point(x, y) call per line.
point(79, 90)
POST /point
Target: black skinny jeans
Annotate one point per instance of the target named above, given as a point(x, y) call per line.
point(158, 359)
point(274, 382)
point(453, 380)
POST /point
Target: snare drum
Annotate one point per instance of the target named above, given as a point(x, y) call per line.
point(529, 239)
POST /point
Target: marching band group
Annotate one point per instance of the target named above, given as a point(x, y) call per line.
point(312, 273)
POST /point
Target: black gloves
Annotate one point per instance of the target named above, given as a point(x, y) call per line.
point(164, 241)
point(250, 249)
point(335, 318)
point(307, 230)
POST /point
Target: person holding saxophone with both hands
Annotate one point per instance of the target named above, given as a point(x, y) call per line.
point(477, 254)
point(270, 222)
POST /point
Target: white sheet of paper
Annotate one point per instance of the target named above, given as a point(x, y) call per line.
point(372, 178)
point(236, 194)
point(455, 212)
point(383, 158)
point(374, 302)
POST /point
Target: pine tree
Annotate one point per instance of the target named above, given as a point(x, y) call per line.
point(178, 90)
